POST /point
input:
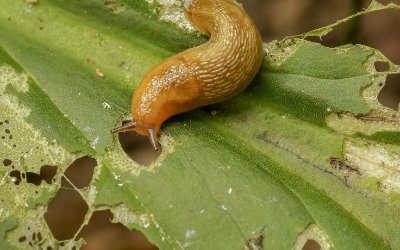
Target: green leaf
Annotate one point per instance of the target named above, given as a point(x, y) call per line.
point(5, 226)
point(306, 152)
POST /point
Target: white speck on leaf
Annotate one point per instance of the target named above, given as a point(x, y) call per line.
point(106, 105)
point(94, 142)
point(28, 8)
point(229, 190)
point(145, 221)
point(224, 208)
point(190, 234)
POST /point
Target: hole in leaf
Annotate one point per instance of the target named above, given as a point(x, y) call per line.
point(16, 175)
point(66, 211)
point(7, 162)
point(381, 66)
point(39, 235)
point(311, 245)
point(390, 94)
point(138, 147)
point(33, 178)
point(102, 234)
point(80, 172)
point(46, 174)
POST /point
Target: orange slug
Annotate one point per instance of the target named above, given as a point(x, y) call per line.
point(212, 72)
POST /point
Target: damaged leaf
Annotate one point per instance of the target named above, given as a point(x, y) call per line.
point(316, 156)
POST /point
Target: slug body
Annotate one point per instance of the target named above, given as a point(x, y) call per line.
point(207, 74)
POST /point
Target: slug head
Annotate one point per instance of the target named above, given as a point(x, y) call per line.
point(145, 124)
point(131, 126)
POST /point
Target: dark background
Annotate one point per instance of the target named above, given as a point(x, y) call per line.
point(275, 19)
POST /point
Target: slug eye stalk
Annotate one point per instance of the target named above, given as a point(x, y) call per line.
point(125, 128)
point(153, 139)
point(130, 126)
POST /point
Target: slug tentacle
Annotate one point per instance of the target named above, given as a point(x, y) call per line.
point(210, 73)
point(153, 139)
point(124, 128)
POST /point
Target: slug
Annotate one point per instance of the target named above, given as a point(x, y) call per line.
point(210, 73)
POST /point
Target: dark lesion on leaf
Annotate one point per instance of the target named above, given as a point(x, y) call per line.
point(340, 165)
point(335, 162)
point(113, 6)
point(371, 117)
point(255, 242)
point(347, 170)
